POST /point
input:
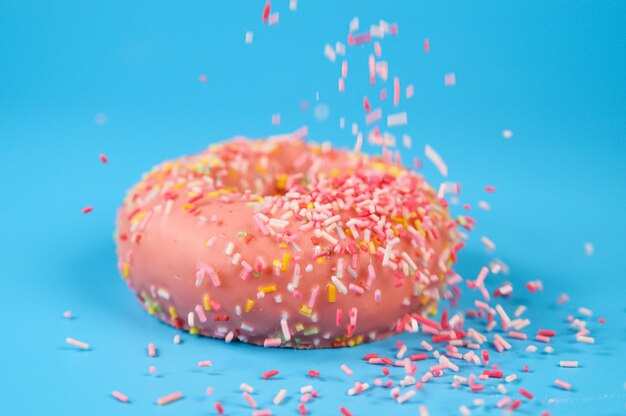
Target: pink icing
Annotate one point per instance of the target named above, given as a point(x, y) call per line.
point(183, 226)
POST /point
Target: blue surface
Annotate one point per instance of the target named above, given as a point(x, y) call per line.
point(552, 72)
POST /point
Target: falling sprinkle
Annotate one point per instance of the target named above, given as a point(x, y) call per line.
point(588, 249)
point(103, 158)
point(450, 79)
point(507, 134)
point(434, 157)
point(87, 209)
point(249, 37)
point(321, 112)
point(202, 78)
point(101, 119)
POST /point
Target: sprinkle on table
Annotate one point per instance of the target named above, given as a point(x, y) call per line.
point(77, 344)
point(172, 397)
point(120, 396)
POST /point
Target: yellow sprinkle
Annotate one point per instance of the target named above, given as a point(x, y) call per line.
point(187, 206)
point(351, 343)
point(249, 305)
point(309, 205)
point(173, 313)
point(213, 194)
point(151, 310)
point(281, 181)
point(207, 302)
point(332, 293)
point(268, 289)
point(320, 260)
point(138, 217)
point(125, 270)
point(283, 245)
point(299, 327)
point(306, 311)
point(286, 258)
point(372, 248)
point(194, 331)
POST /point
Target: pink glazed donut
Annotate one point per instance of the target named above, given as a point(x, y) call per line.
point(284, 243)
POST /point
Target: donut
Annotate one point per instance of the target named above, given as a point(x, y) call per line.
point(284, 243)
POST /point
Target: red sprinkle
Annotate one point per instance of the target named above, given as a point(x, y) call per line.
point(601, 320)
point(526, 368)
point(515, 404)
point(103, 158)
point(266, 11)
point(547, 332)
point(526, 393)
point(418, 357)
point(219, 408)
point(490, 188)
point(314, 373)
point(344, 411)
point(87, 209)
point(493, 374)
point(269, 374)
point(371, 355)
point(302, 409)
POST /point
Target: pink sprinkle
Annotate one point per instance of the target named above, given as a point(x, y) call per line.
point(272, 342)
point(250, 400)
point(426, 45)
point(490, 189)
point(517, 335)
point(67, 314)
point(169, 398)
point(87, 209)
point(209, 391)
point(120, 396)
point(563, 384)
point(269, 374)
point(346, 369)
point(103, 158)
point(562, 299)
point(151, 350)
point(542, 338)
point(503, 402)
point(206, 363)
point(265, 412)
point(152, 369)
point(396, 91)
point(450, 79)
point(202, 78)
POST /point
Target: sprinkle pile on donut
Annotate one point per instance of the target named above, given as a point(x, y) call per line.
point(283, 243)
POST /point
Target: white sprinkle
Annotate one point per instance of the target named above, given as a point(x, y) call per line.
point(434, 157)
point(507, 134)
point(245, 387)
point(398, 119)
point(249, 37)
point(330, 53)
point(230, 247)
point(568, 364)
point(279, 397)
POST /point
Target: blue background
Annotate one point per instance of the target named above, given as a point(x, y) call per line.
point(552, 72)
